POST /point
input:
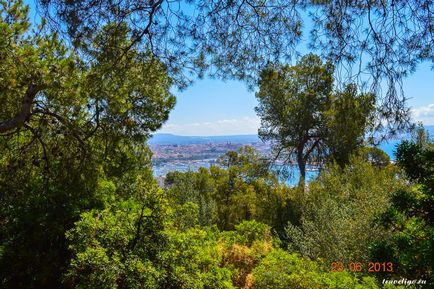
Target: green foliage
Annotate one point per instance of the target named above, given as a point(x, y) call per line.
point(281, 270)
point(241, 188)
point(194, 188)
point(135, 245)
point(339, 209)
point(135, 97)
point(71, 139)
point(307, 121)
point(79, 207)
point(375, 156)
point(252, 231)
point(162, 257)
point(348, 116)
point(30, 57)
point(420, 136)
point(244, 248)
point(410, 244)
point(292, 102)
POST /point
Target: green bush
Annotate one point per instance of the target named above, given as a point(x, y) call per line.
point(282, 270)
point(339, 210)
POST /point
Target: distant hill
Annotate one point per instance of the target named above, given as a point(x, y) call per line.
point(170, 139)
point(167, 139)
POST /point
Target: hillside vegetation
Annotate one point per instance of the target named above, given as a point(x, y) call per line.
point(82, 90)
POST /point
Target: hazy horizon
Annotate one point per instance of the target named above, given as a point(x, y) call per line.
point(430, 128)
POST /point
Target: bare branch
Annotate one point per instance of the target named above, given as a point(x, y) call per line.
point(26, 109)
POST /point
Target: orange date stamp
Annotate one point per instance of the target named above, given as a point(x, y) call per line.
point(371, 267)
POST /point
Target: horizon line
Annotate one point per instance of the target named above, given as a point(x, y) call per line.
point(175, 134)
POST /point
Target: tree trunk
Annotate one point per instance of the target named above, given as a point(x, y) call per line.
point(301, 167)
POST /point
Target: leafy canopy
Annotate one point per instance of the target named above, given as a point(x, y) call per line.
point(72, 135)
point(306, 119)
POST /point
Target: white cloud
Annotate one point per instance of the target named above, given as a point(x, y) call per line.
point(244, 125)
point(250, 125)
point(424, 114)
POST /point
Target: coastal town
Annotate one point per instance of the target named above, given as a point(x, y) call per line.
point(189, 157)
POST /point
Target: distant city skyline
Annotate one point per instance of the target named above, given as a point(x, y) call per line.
point(216, 107)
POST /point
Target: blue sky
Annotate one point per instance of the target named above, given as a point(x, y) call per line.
point(214, 107)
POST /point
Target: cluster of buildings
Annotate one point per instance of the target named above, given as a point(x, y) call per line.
point(190, 157)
